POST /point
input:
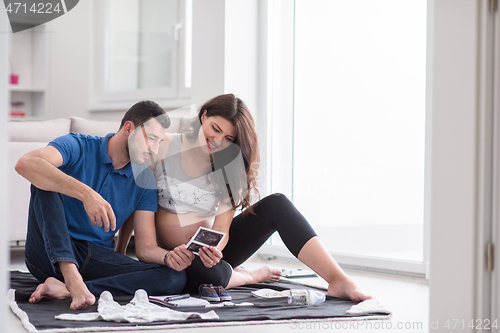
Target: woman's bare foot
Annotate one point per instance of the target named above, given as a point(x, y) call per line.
point(241, 276)
point(346, 289)
point(263, 274)
point(55, 289)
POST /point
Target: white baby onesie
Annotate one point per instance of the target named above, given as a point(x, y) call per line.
point(139, 310)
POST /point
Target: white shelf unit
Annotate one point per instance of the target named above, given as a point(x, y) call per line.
point(29, 59)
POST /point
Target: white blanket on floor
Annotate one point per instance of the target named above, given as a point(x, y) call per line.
point(139, 310)
point(370, 306)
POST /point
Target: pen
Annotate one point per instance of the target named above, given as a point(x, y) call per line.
point(176, 297)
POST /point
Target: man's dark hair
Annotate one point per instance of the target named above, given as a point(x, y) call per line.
point(143, 111)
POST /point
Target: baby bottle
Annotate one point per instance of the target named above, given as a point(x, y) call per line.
point(305, 297)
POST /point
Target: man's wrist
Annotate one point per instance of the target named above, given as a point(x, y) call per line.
point(165, 259)
point(83, 191)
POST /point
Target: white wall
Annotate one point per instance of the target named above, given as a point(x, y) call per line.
point(69, 62)
point(4, 107)
point(241, 50)
point(225, 50)
point(458, 212)
point(208, 50)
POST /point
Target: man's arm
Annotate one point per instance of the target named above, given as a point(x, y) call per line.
point(40, 167)
point(146, 246)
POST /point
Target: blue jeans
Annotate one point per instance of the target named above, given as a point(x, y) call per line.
point(48, 242)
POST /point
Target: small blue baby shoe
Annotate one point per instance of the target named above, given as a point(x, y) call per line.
point(223, 295)
point(208, 292)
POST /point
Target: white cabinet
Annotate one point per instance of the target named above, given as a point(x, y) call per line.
point(28, 57)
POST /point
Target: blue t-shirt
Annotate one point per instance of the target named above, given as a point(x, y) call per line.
point(86, 158)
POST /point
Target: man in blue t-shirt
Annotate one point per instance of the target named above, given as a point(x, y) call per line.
point(83, 189)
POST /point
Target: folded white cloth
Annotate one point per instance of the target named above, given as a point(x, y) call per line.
point(369, 306)
point(139, 310)
point(226, 304)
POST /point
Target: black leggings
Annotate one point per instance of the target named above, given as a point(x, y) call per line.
point(248, 232)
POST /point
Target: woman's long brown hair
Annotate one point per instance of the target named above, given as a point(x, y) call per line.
point(235, 111)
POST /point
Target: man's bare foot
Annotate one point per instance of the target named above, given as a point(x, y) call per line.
point(263, 274)
point(81, 297)
point(346, 289)
point(55, 289)
point(50, 289)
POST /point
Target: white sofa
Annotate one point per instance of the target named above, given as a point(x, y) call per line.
point(25, 136)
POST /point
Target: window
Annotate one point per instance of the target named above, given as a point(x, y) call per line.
point(146, 50)
point(358, 129)
point(361, 85)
